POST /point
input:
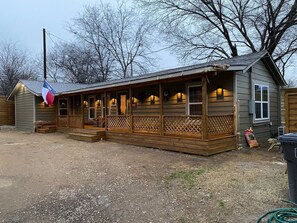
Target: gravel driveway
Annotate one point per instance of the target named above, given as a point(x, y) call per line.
point(50, 178)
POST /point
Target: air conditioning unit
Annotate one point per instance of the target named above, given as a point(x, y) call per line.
point(281, 130)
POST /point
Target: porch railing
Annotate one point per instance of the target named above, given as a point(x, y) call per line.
point(183, 125)
point(189, 126)
point(118, 122)
point(220, 124)
point(146, 124)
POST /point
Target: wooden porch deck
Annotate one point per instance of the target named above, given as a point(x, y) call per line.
point(176, 133)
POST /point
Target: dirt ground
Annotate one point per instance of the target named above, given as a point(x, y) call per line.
point(50, 178)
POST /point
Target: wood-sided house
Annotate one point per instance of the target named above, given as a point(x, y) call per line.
point(197, 109)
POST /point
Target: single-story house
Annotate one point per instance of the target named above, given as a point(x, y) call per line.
point(201, 109)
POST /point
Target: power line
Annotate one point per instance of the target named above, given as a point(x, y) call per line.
point(156, 51)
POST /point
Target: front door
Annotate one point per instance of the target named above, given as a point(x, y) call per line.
point(122, 103)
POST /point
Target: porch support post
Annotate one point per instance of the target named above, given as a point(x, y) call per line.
point(161, 109)
point(204, 109)
point(82, 111)
point(130, 110)
point(105, 110)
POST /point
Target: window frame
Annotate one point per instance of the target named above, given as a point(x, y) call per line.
point(198, 84)
point(59, 107)
point(261, 102)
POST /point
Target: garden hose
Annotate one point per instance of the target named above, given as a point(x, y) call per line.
point(282, 215)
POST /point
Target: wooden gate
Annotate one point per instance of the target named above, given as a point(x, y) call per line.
point(291, 110)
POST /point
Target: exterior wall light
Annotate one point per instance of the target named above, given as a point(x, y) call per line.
point(85, 104)
point(98, 102)
point(113, 101)
point(179, 96)
point(133, 100)
point(220, 92)
point(152, 99)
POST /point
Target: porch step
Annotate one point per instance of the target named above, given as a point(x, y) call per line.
point(87, 135)
point(86, 131)
point(83, 137)
point(47, 129)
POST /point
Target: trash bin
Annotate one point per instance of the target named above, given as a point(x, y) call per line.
point(289, 146)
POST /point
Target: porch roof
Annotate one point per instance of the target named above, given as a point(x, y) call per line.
point(35, 87)
point(239, 63)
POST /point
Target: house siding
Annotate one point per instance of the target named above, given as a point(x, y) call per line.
point(24, 110)
point(45, 113)
point(245, 81)
point(225, 105)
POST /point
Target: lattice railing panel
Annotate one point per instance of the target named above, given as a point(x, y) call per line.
point(62, 121)
point(118, 122)
point(75, 121)
point(149, 124)
point(183, 125)
point(221, 124)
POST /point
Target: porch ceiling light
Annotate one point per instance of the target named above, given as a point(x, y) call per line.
point(220, 92)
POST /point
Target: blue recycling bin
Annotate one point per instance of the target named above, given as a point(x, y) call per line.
point(289, 146)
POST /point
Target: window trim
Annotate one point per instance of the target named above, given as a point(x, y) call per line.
point(262, 119)
point(198, 84)
point(59, 108)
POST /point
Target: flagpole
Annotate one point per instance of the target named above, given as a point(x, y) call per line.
point(44, 54)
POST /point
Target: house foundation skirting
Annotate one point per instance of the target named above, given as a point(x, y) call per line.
point(186, 145)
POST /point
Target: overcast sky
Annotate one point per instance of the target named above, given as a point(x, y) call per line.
point(22, 21)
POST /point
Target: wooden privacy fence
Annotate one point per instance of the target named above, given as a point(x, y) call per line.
point(189, 126)
point(6, 111)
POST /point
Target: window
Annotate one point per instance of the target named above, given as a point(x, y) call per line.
point(62, 106)
point(92, 108)
point(195, 100)
point(261, 96)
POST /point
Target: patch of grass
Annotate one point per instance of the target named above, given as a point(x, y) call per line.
point(188, 177)
point(221, 204)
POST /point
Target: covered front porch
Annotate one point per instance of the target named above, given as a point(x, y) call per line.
point(183, 115)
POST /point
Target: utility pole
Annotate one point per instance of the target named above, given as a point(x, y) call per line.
point(44, 55)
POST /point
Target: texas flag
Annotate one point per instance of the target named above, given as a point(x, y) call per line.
point(48, 93)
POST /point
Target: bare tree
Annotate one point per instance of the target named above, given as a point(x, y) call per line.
point(204, 29)
point(14, 65)
point(291, 82)
point(77, 63)
point(119, 36)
